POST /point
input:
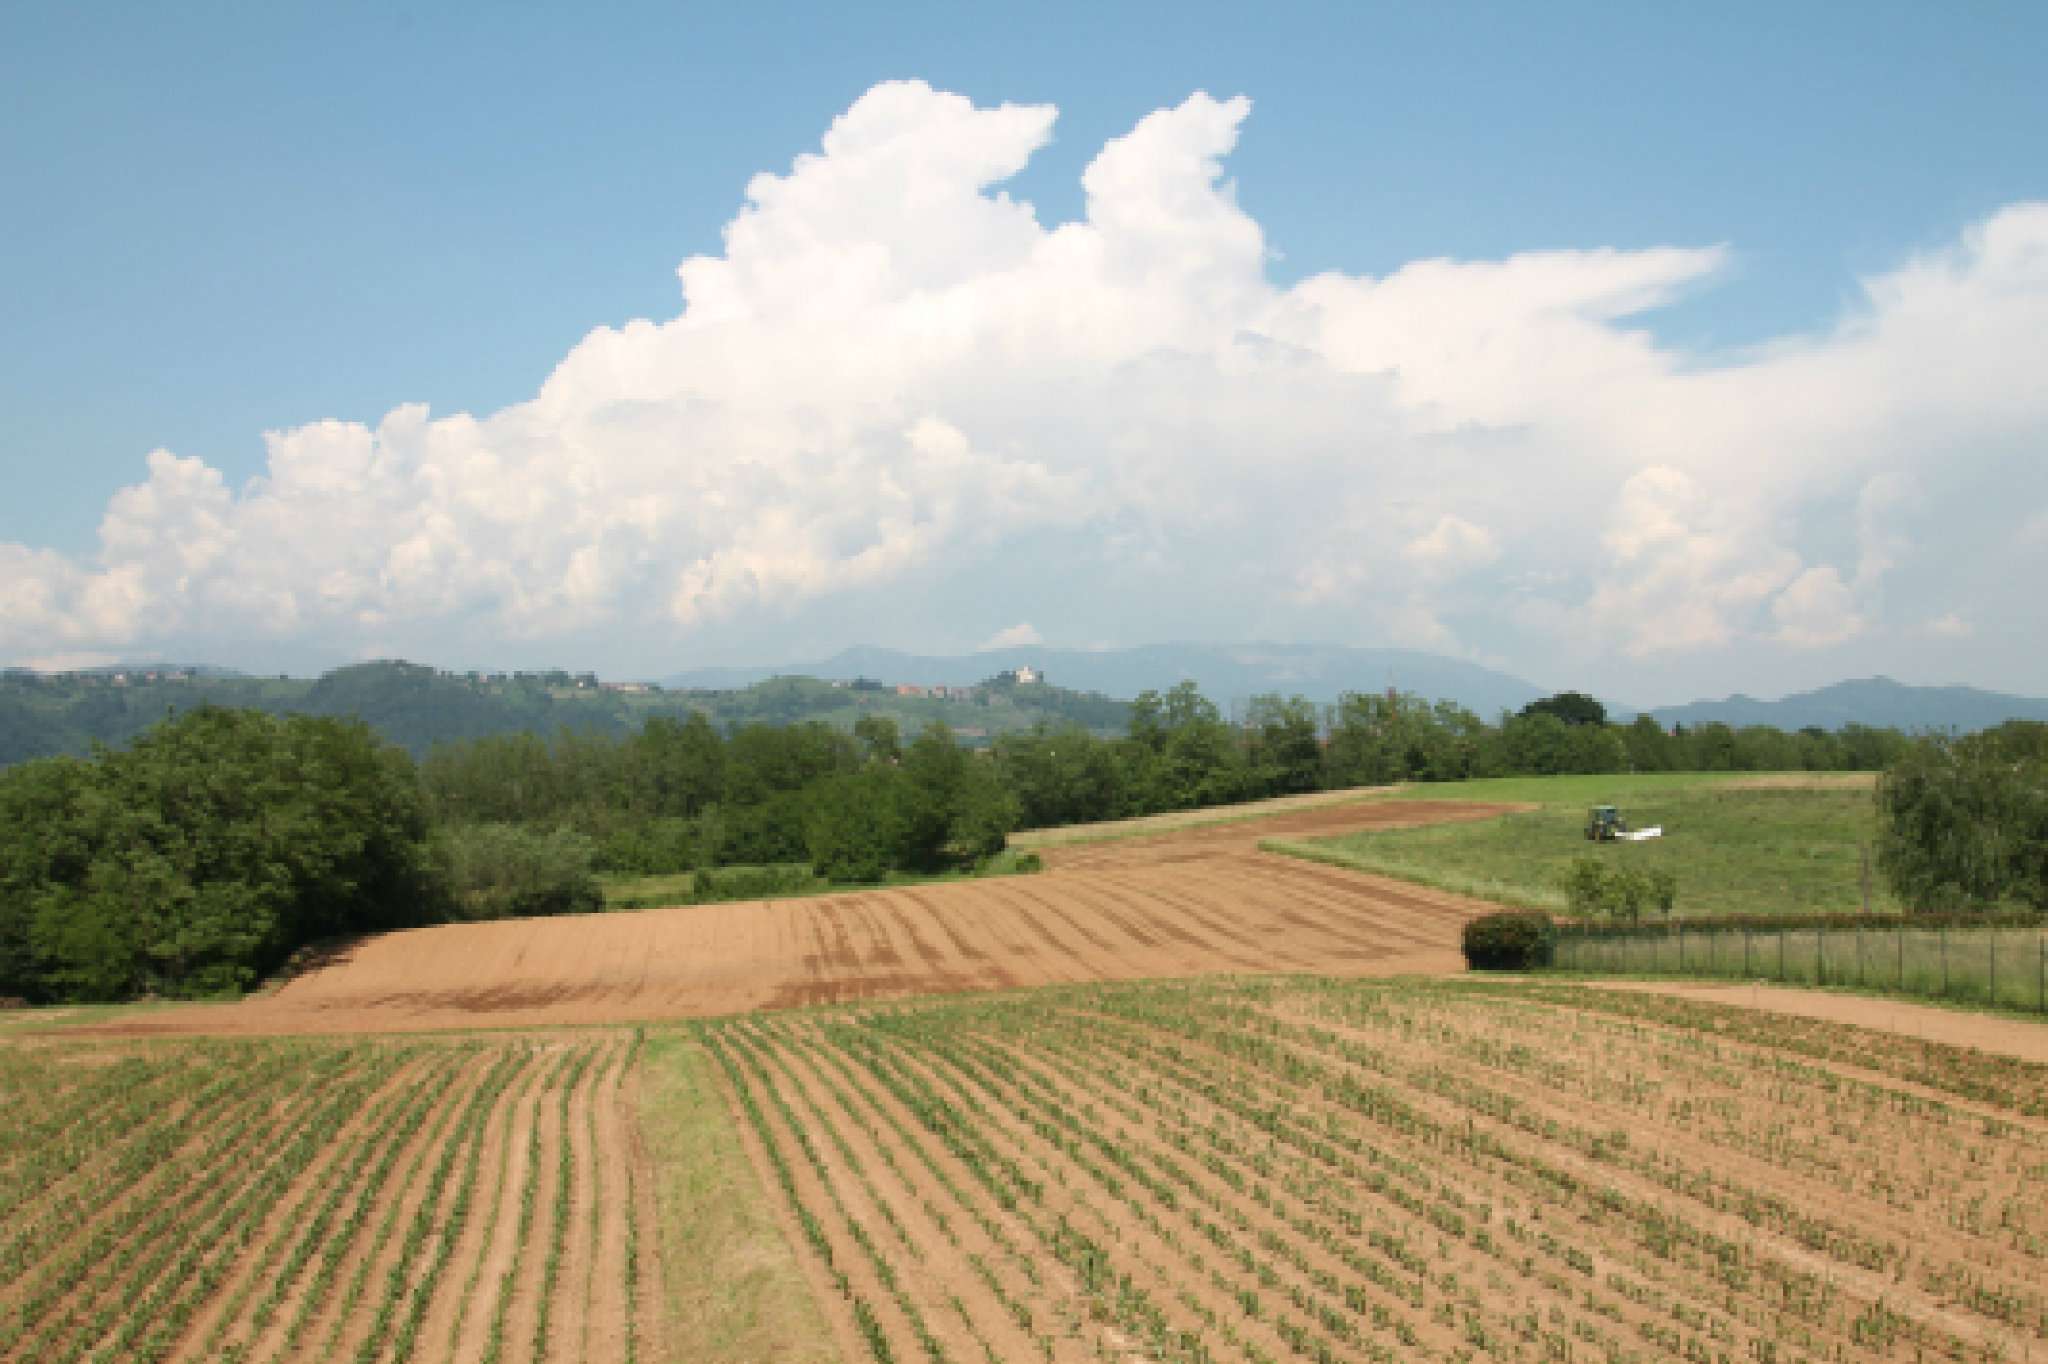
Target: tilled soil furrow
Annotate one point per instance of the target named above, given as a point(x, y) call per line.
point(1108, 1232)
point(952, 1301)
point(214, 1330)
point(474, 1318)
point(529, 1313)
point(346, 1322)
point(308, 1313)
point(77, 1276)
point(1035, 1294)
point(571, 1318)
point(1716, 1176)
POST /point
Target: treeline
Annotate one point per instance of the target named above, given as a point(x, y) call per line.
point(416, 707)
point(222, 841)
point(681, 795)
point(1180, 753)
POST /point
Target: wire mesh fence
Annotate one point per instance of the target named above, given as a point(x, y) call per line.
point(1968, 958)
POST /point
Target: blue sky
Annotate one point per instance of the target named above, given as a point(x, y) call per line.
point(227, 220)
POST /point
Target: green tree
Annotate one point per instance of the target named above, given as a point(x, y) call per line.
point(46, 850)
point(203, 855)
point(1572, 707)
point(678, 767)
point(1963, 823)
point(1062, 775)
point(1284, 753)
point(879, 738)
point(954, 809)
point(1648, 747)
point(855, 828)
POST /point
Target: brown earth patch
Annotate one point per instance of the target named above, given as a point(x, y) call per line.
point(1985, 1032)
point(1198, 900)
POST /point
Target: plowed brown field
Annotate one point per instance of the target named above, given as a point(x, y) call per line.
point(1193, 901)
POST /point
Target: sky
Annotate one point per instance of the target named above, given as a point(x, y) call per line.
point(1656, 351)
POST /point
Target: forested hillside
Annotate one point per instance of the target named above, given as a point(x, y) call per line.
point(416, 707)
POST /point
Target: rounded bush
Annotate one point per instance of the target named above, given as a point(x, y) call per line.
point(1513, 941)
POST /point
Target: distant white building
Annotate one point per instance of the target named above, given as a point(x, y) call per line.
point(1027, 675)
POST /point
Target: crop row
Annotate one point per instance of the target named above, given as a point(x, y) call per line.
point(273, 1201)
point(1271, 1171)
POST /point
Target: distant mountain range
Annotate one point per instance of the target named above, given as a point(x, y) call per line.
point(1875, 701)
point(1322, 672)
point(1225, 673)
point(418, 706)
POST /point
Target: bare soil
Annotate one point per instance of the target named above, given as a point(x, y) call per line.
point(1986, 1032)
point(1197, 900)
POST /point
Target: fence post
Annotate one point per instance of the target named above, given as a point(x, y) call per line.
point(1781, 954)
point(1745, 951)
point(1820, 957)
point(1899, 932)
point(2041, 973)
point(1860, 982)
point(1944, 958)
point(1681, 947)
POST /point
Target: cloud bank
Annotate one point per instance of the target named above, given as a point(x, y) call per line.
point(899, 407)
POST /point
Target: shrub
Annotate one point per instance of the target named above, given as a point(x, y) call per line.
point(505, 871)
point(1587, 887)
point(1514, 941)
point(1596, 889)
point(712, 884)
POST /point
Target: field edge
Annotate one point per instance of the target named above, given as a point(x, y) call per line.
point(734, 1291)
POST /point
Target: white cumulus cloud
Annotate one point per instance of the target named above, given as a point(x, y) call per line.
point(896, 394)
point(1014, 637)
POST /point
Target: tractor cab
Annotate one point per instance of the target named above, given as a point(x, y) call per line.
point(1604, 824)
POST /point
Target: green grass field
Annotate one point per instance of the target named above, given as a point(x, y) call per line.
point(1736, 847)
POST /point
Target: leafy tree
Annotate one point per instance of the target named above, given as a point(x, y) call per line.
point(45, 852)
point(1284, 755)
point(1539, 744)
point(1648, 747)
point(678, 768)
point(761, 759)
point(856, 827)
point(1376, 738)
point(954, 810)
point(1182, 754)
point(1964, 822)
point(205, 854)
point(1061, 775)
point(879, 738)
point(1572, 707)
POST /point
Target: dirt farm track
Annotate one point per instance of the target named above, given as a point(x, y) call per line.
point(1200, 900)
